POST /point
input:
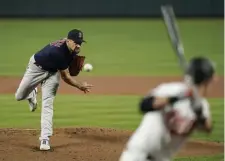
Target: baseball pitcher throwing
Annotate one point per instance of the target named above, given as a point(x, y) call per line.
point(59, 58)
point(169, 118)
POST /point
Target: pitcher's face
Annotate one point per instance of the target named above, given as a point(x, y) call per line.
point(74, 47)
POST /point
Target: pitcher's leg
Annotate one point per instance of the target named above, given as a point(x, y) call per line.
point(49, 90)
point(28, 85)
point(26, 88)
point(32, 77)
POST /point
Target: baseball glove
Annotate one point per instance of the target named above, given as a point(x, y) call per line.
point(76, 65)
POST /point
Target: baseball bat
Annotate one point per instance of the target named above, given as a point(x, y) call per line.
point(175, 38)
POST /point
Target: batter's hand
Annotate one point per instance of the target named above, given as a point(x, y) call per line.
point(85, 87)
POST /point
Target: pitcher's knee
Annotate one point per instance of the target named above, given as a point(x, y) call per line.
point(18, 96)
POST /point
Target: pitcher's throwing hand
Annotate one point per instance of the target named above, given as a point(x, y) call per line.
point(85, 87)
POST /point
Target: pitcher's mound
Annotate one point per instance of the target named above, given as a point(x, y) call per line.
point(79, 144)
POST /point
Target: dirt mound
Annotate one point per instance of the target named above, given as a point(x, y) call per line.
point(79, 144)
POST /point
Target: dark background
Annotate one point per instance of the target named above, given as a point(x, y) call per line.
point(108, 8)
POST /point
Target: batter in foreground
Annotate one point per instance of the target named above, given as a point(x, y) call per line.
point(169, 118)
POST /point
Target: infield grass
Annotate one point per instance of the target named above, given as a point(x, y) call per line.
point(105, 111)
point(115, 46)
point(98, 111)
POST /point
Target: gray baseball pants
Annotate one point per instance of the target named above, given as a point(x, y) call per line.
point(49, 82)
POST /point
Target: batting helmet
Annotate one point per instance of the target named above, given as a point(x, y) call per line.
point(201, 69)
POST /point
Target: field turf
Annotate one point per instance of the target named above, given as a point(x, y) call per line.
point(106, 111)
point(114, 47)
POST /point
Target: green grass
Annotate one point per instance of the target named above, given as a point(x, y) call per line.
point(105, 111)
point(115, 46)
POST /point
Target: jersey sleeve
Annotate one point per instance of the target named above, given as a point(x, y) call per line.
point(169, 90)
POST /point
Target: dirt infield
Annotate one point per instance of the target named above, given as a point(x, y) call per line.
point(80, 144)
point(114, 85)
point(90, 144)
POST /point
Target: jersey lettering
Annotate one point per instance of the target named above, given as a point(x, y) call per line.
point(57, 43)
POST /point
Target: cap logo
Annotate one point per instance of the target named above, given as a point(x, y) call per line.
point(80, 35)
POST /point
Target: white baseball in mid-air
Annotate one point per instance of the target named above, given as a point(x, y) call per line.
point(88, 67)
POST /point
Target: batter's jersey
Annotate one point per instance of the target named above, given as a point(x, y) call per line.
point(54, 56)
point(182, 106)
point(183, 109)
point(153, 134)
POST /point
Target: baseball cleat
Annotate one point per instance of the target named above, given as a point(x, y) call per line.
point(33, 101)
point(45, 145)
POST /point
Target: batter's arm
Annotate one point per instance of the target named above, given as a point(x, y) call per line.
point(208, 125)
point(153, 103)
point(204, 118)
point(204, 123)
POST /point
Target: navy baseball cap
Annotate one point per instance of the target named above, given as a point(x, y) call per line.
point(76, 35)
